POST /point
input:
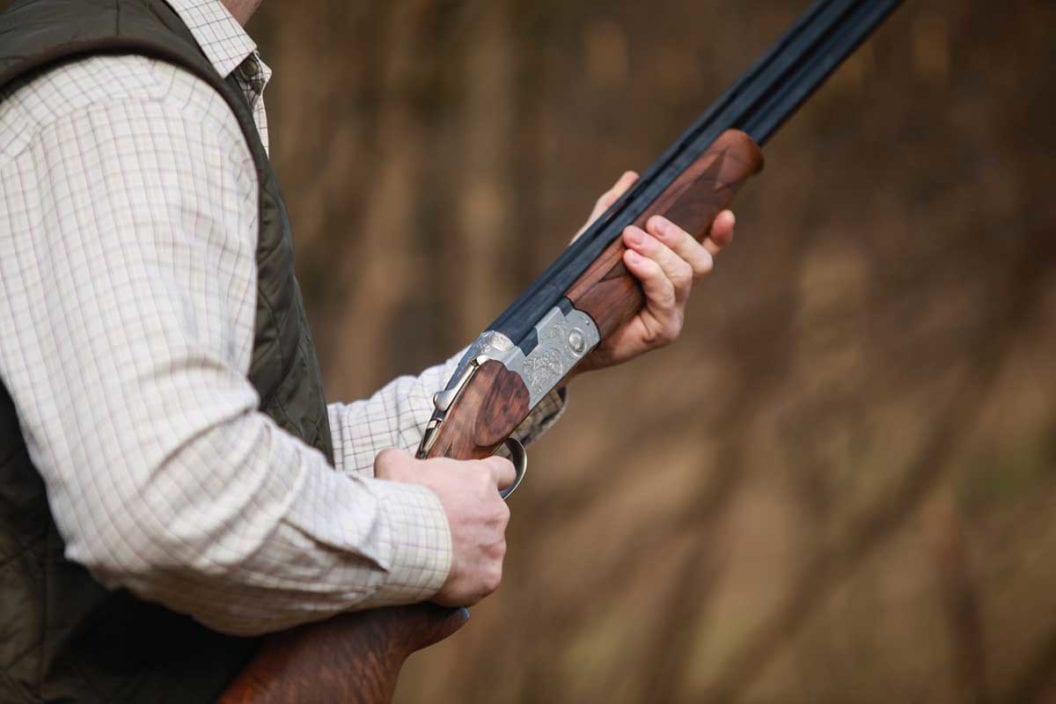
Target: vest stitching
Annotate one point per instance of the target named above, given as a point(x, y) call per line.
point(12, 686)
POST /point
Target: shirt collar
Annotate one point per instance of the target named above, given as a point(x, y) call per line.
point(223, 40)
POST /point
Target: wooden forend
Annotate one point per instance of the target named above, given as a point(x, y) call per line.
point(606, 291)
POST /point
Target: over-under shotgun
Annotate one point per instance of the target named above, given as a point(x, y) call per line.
point(583, 296)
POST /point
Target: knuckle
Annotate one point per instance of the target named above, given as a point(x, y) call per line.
point(704, 264)
point(667, 298)
point(683, 274)
point(672, 331)
point(493, 578)
point(667, 333)
point(501, 466)
point(496, 552)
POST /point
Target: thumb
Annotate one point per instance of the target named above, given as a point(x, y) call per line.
point(502, 471)
point(388, 463)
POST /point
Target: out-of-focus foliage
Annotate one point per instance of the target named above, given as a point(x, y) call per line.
point(841, 484)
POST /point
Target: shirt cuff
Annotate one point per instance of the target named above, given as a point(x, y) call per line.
point(420, 540)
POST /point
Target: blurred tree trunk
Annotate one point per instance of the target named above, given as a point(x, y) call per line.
point(792, 503)
point(840, 484)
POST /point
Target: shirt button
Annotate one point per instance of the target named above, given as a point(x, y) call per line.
point(250, 68)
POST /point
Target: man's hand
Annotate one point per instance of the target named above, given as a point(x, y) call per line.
point(666, 260)
point(476, 514)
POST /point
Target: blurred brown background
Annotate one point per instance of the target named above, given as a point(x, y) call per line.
point(840, 485)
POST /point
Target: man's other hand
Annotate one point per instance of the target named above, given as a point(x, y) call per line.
point(476, 514)
point(666, 260)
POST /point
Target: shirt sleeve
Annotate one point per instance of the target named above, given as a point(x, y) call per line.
point(128, 270)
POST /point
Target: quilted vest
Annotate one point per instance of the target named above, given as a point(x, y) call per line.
point(63, 637)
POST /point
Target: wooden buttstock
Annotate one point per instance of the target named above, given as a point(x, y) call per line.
point(606, 291)
point(354, 658)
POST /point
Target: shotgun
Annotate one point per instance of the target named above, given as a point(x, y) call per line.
point(532, 347)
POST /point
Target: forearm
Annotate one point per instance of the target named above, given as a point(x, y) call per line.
point(248, 530)
point(164, 479)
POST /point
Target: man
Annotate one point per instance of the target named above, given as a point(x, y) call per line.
point(167, 462)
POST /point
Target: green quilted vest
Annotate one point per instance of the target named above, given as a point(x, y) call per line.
point(63, 637)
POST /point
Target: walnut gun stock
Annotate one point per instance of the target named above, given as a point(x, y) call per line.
point(354, 658)
point(606, 291)
point(584, 295)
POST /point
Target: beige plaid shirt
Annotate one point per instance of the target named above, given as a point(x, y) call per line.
point(128, 228)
